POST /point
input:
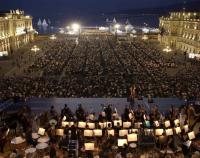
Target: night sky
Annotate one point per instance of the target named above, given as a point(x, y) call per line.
point(45, 7)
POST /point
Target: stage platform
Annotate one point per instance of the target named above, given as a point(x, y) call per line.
point(94, 104)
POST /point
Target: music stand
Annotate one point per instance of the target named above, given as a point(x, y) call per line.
point(132, 137)
point(123, 132)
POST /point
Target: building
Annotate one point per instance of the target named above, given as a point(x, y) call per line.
point(181, 30)
point(15, 30)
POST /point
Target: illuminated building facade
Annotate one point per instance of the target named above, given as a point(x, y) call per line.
point(15, 30)
point(181, 30)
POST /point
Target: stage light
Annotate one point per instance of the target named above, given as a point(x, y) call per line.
point(75, 27)
point(117, 26)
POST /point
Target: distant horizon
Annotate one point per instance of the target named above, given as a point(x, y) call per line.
point(78, 7)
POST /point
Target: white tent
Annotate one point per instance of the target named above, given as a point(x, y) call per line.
point(44, 23)
point(39, 22)
point(114, 20)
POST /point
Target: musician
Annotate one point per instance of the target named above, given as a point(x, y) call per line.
point(53, 113)
point(133, 94)
point(198, 134)
point(13, 154)
point(29, 139)
point(172, 143)
point(52, 152)
point(3, 135)
point(124, 150)
point(73, 131)
point(117, 128)
point(101, 118)
point(192, 115)
point(80, 113)
point(126, 114)
point(66, 112)
point(108, 112)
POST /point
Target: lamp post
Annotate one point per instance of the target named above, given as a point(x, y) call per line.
point(35, 49)
point(76, 28)
point(116, 26)
point(126, 28)
point(53, 37)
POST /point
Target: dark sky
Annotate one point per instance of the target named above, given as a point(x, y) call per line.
point(45, 7)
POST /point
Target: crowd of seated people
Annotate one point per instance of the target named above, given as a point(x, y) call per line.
point(137, 132)
point(100, 66)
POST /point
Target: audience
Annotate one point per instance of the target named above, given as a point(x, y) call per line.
point(101, 67)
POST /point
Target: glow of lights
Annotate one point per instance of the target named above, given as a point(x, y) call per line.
point(62, 31)
point(27, 17)
point(145, 37)
point(133, 35)
point(117, 26)
point(35, 48)
point(154, 30)
point(17, 12)
point(103, 28)
point(128, 28)
point(20, 31)
point(119, 32)
point(134, 31)
point(167, 49)
point(192, 55)
point(53, 37)
point(67, 27)
point(3, 53)
point(145, 30)
point(75, 27)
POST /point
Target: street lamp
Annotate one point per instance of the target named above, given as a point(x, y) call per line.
point(35, 49)
point(116, 26)
point(75, 27)
point(167, 49)
point(53, 37)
